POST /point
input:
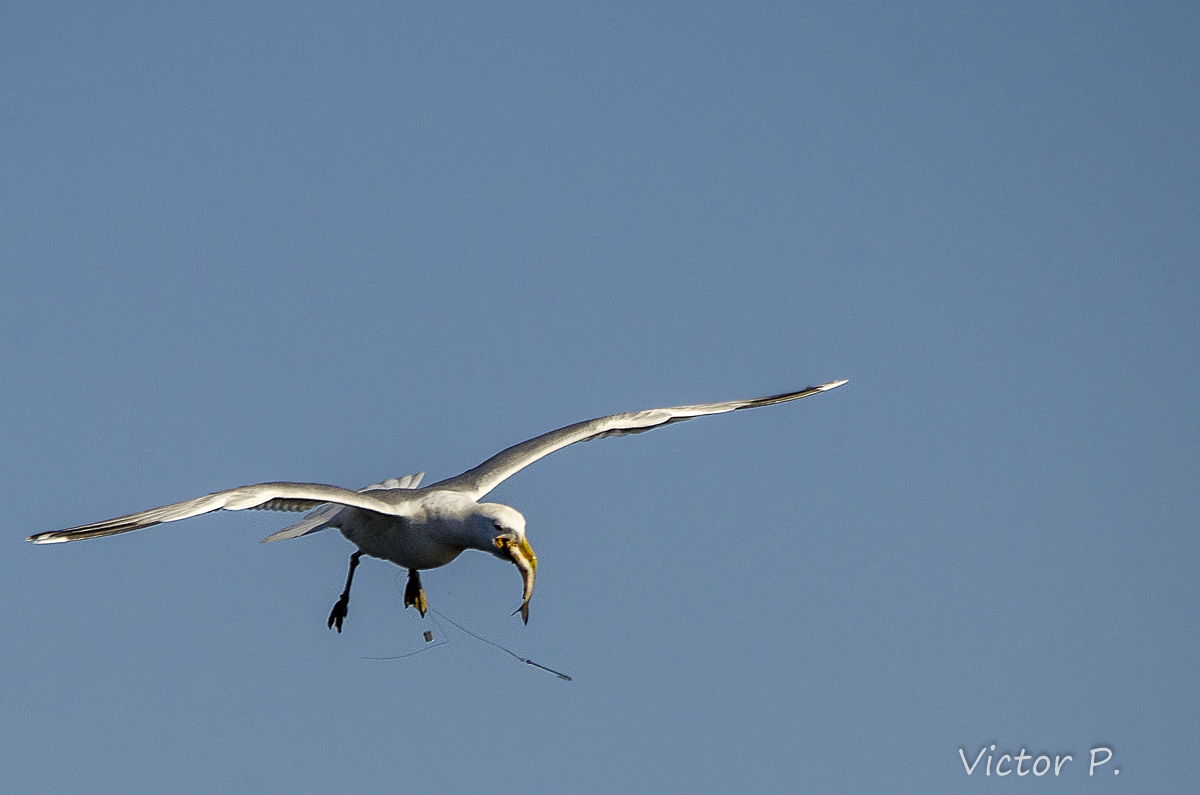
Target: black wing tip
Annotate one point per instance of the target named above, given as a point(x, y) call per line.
point(787, 396)
point(87, 531)
point(812, 390)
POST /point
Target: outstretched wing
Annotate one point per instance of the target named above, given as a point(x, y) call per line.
point(485, 477)
point(263, 496)
point(330, 514)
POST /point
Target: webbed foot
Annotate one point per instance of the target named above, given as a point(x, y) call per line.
point(414, 594)
point(338, 614)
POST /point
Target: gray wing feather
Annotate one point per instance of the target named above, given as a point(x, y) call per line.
point(331, 514)
point(328, 515)
point(275, 496)
point(485, 477)
point(402, 482)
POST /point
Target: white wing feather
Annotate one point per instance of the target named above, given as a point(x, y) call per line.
point(267, 496)
point(479, 481)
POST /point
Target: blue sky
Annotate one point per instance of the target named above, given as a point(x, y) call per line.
point(301, 241)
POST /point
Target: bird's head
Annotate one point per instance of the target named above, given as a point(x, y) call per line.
point(502, 531)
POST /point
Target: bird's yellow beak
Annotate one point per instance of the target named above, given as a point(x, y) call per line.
point(526, 563)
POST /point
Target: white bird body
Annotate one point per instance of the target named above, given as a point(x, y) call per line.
point(434, 527)
point(413, 527)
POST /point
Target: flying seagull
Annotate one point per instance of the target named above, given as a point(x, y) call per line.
point(419, 528)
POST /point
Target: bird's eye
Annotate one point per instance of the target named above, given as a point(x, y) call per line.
point(501, 542)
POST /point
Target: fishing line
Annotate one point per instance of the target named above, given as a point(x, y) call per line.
point(446, 638)
point(411, 653)
point(509, 652)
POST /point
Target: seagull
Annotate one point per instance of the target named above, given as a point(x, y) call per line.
point(419, 528)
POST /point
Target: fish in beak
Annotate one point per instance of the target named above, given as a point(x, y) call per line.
point(526, 562)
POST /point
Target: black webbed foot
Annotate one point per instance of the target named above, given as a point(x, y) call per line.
point(414, 594)
point(338, 614)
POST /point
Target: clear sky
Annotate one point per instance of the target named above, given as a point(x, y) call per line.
point(342, 242)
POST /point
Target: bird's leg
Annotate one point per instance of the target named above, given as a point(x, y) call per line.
point(414, 594)
point(338, 614)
